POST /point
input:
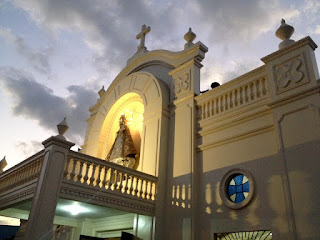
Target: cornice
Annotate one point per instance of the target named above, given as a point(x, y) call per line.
point(299, 44)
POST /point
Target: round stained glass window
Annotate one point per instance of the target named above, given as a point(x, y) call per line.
point(238, 189)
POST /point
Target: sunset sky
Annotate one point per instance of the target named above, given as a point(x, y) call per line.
point(56, 55)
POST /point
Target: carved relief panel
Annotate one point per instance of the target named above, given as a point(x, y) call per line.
point(182, 83)
point(290, 74)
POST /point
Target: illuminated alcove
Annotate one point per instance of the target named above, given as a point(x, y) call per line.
point(131, 105)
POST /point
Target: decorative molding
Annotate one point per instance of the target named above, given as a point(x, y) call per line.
point(182, 83)
point(295, 97)
point(111, 201)
point(238, 137)
point(21, 196)
point(290, 74)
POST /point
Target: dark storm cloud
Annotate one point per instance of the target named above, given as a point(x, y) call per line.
point(35, 101)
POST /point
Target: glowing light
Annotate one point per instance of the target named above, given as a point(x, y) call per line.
point(75, 209)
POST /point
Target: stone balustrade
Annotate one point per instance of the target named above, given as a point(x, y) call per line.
point(234, 94)
point(23, 172)
point(88, 171)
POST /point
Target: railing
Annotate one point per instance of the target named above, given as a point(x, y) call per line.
point(22, 172)
point(105, 176)
point(248, 92)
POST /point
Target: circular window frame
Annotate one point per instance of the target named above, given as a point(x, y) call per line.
point(224, 188)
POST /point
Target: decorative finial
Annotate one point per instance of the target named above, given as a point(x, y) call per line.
point(142, 37)
point(62, 128)
point(101, 91)
point(189, 37)
point(284, 32)
point(3, 164)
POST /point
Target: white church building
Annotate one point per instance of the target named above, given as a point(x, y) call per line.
point(162, 160)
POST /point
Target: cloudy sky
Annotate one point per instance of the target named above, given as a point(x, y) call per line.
point(56, 55)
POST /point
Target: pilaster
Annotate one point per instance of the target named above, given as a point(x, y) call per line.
point(294, 93)
point(186, 79)
point(40, 222)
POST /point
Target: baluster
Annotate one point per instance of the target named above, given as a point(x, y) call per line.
point(73, 171)
point(230, 100)
point(178, 195)
point(216, 105)
point(113, 175)
point(239, 96)
point(212, 108)
point(147, 189)
point(142, 192)
point(264, 86)
point(10, 179)
point(208, 109)
point(260, 87)
point(91, 180)
point(133, 185)
point(115, 179)
point(248, 92)
point(80, 175)
point(130, 180)
point(234, 99)
point(66, 170)
point(220, 107)
point(120, 184)
point(137, 186)
point(29, 171)
point(33, 165)
point(252, 91)
point(19, 175)
point(86, 175)
point(226, 103)
point(104, 181)
point(200, 112)
point(125, 185)
point(149, 193)
point(189, 195)
point(109, 178)
point(153, 191)
point(246, 97)
point(256, 88)
point(204, 111)
point(99, 176)
point(21, 171)
point(28, 167)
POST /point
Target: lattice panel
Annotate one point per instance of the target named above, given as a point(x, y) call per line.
point(255, 235)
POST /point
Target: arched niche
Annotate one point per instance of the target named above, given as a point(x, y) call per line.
point(131, 105)
point(149, 98)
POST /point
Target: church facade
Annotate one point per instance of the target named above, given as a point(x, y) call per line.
point(239, 161)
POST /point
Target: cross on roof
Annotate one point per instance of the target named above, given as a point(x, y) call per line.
point(142, 35)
